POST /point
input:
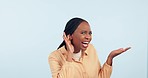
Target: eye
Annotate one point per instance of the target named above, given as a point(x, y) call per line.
point(90, 33)
point(83, 32)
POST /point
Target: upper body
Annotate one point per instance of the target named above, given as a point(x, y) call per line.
point(76, 57)
point(88, 66)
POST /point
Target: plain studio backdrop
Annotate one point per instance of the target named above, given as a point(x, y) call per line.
point(32, 29)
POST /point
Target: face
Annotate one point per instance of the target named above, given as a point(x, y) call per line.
point(81, 37)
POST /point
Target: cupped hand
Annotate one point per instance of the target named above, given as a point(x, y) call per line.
point(67, 40)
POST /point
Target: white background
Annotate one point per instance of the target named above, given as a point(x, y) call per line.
point(32, 29)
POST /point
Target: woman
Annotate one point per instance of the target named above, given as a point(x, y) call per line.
point(76, 57)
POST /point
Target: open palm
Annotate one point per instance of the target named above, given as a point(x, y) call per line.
point(114, 53)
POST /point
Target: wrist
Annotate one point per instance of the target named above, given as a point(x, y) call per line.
point(111, 56)
point(109, 60)
point(69, 57)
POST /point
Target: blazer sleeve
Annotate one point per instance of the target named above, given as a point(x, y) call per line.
point(60, 71)
point(105, 71)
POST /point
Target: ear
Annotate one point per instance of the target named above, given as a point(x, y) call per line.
point(71, 37)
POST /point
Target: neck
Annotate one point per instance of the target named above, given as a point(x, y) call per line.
point(77, 51)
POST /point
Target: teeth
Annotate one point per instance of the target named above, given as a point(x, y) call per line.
point(86, 42)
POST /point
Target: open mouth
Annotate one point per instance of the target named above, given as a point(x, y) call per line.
point(85, 44)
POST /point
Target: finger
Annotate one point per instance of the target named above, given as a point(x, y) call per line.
point(121, 50)
point(64, 35)
point(68, 37)
point(127, 48)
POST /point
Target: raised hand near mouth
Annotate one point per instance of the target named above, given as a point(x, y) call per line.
point(69, 46)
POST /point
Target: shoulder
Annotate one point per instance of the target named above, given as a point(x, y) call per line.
point(56, 54)
point(91, 51)
point(91, 47)
point(53, 54)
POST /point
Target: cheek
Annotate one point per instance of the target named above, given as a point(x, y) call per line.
point(90, 38)
point(76, 40)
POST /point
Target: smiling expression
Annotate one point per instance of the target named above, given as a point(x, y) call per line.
point(81, 37)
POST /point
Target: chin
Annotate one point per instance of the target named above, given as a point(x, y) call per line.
point(83, 49)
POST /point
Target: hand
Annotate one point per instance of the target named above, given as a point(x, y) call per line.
point(114, 53)
point(69, 46)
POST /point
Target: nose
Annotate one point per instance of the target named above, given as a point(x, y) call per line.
point(88, 36)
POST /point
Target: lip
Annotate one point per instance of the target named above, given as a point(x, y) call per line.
point(85, 44)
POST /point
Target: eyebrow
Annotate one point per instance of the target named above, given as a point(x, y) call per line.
point(85, 30)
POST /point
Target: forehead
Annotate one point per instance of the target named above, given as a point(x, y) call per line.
point(84, 26)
